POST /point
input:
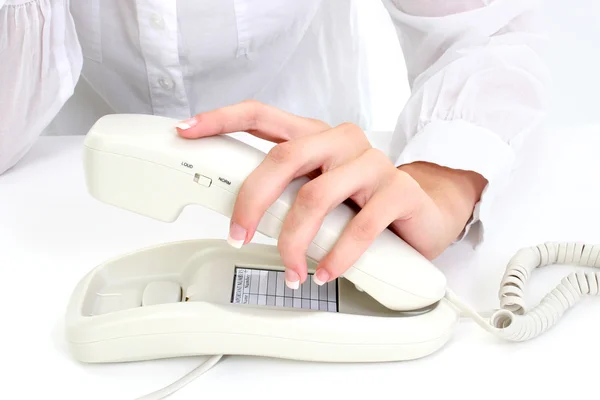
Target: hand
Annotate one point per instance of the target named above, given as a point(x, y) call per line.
point(427, 205)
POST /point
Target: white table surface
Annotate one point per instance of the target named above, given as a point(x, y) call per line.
point(52, 232)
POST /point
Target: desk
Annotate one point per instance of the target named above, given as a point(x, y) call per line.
point(52, 233)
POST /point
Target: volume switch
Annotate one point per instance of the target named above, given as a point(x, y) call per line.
point(202, 180)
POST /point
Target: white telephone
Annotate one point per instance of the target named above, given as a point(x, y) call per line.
point(203, 297)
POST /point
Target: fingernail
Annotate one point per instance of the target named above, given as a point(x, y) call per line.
point(237, 236)
point(292, 279)
point(320, 277)
point(187, 124)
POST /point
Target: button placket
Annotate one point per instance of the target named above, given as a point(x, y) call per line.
point(160, 48)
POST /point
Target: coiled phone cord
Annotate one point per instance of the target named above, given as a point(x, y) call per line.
point(511, 322)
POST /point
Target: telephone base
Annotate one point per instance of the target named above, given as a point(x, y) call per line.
point(203, 297)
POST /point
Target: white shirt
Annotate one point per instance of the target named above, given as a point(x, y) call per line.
point(474, 68)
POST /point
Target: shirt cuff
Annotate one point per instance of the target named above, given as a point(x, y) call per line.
point(459, 144)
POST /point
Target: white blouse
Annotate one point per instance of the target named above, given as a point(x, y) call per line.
point(477, 79)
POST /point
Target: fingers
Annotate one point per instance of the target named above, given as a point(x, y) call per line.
point(398, 199)
point(357, 179)
point(285, 162)
point(260, 120)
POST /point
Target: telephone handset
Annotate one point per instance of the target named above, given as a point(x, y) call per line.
point(203, 297)
point(139, 163)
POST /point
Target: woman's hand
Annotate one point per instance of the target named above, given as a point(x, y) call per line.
point(427, 205)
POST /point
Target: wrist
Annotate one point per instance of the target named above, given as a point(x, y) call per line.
point(455, 192)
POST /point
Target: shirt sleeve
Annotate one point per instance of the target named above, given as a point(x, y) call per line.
point(478, 86)
point(41, 63)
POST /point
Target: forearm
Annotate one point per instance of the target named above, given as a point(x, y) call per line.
point(478, 87)
point(454, 192)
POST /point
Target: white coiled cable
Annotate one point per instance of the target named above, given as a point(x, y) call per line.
point(512, 321)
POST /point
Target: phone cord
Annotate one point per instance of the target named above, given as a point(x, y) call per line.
point(184, 380)
point(512, 322)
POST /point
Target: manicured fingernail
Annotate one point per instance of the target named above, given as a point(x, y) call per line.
point(237, 236)
point(320, 277)
point(292, 279)
point(187, 124)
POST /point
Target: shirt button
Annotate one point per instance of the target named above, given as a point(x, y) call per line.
point(166, 83)
point(157, 21)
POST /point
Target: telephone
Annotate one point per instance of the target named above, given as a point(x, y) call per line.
point(204, 297)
